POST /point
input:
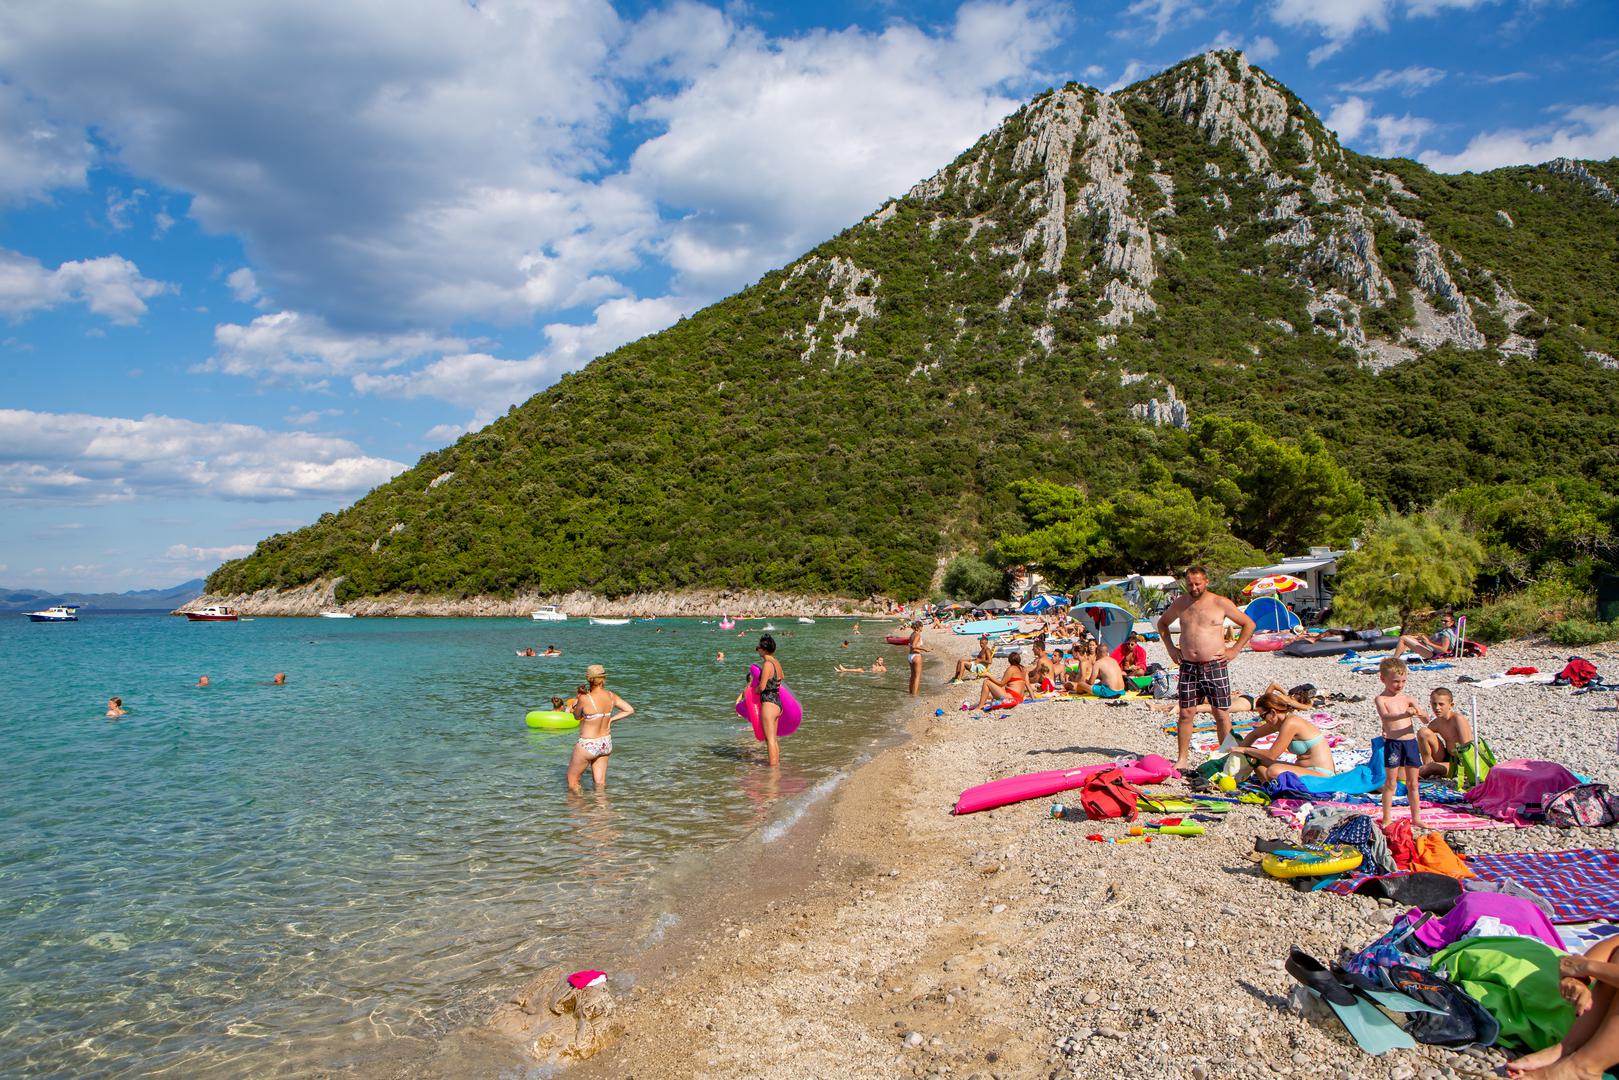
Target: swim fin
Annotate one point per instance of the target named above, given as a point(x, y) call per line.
point(1389, 998)
point(1371, 1028)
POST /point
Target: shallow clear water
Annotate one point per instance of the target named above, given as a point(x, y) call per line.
point(250, 877)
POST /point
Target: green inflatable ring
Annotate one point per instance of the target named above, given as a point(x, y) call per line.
point(552, 720)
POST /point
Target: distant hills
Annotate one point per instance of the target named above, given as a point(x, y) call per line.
point(138, 600)
point(1064, 302)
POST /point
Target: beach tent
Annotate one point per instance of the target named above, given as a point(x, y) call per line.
point(1110, 622)
point(1270, 615)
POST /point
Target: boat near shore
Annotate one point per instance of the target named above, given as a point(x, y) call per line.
point(549, 613)
point(336, 615)
point(55, 613)
point(608, 622)
point(213, 613)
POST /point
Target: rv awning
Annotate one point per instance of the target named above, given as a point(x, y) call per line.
point(1288, 566)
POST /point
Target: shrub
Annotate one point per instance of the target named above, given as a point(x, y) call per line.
point(1582, 632)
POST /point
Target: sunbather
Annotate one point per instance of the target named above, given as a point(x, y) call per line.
point(1442, 643)
point(1590, 983)
point(1281, 716)
point(1013, 685)
point(1109, 678)
point(978, 665)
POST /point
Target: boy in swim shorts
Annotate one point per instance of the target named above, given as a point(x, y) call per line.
point(1402, 753)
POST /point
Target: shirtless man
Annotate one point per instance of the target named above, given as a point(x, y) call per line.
point(1203, 655)
point(1109, 678)
point(978, 665)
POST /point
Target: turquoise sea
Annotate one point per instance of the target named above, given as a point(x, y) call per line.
point(252, 879)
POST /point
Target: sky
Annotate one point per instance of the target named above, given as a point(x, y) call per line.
point(258, 257)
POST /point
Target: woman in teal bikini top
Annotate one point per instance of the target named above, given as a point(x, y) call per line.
point(1281, 716)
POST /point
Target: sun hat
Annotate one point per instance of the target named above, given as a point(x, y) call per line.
point(595, 671)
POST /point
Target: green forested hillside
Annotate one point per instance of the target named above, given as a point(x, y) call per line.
point(849, 420)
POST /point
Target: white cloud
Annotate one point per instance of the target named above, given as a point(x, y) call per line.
point(120, 206)
point(244, 286)
point(488, 384)
point(110, 286)
point(1165, 15)
point(187, 554)
point(1406, 80)
point(99, 459)
point(1133, 71)
point(1340, 20)
point(36, 154)
point(311, 416)
point(757, 159)
point(305, 348)
point(1585, 131)
point(1385, 136)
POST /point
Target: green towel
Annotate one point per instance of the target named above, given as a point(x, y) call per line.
point(1515, 979)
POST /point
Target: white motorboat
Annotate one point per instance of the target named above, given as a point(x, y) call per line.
point(549, 613)
point(213, 613)
point(806, 620)
point(55, 613)
point(335, 615)
point(609, 622)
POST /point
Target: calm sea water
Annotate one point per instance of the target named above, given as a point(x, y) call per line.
point(250, 878)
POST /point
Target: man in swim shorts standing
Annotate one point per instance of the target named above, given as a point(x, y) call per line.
point(1203, 655)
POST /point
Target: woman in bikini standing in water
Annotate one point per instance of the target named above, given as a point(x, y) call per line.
point(596, 707)
point(771, 677)
point(914, 656)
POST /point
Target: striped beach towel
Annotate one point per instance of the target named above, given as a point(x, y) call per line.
point(1581, 884)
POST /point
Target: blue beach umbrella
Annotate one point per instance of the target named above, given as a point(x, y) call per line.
point(1043, 602)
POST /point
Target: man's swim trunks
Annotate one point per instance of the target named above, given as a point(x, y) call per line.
point(1208, 680)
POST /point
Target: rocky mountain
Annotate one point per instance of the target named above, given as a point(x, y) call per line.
point(136, 600)
point(1063, 301)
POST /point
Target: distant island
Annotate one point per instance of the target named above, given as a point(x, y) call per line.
point(12, 599)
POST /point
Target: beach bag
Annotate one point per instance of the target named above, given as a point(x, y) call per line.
point(1587, 806)
point(1162, 688)
point(1474, 648)
point(1470, 763)
point(1109, 795)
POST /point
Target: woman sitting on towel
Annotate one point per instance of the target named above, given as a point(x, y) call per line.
point(1012, 688)
point(1279, 715)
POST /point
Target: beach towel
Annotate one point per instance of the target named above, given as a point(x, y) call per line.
point(1579, 937)
point(1515, 979)
point(1524, 918)
point(1581, 884)
point(1434, 815)
point(1435, 856)
point(1514, 790)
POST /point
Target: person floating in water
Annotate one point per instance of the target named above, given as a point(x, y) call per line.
point(280, 679)
point(202, 681)
point(878, 667)
point(550, 650)
point(115, 708)
point(596, 709)
point(719, 657)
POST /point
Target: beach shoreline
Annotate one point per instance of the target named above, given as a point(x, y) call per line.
point(895, 939)
point(320, 596)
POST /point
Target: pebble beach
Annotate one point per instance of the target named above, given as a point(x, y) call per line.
point(914, 943)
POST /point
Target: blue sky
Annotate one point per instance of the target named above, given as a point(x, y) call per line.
point(256, 258)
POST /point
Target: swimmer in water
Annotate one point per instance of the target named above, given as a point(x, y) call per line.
point(280, 679)
point(719, 657)
point(550, 650)
point(203, 681)
point(878, 666)
point(115, 708)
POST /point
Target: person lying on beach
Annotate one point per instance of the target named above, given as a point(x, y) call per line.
point(1280, 715)
point(1589, 983)
point(1012, 687)
point(597, 709)
point(976, 666)
point(1445, 733)
point(1442, 643)
point(1302, 693)
point(115, 708)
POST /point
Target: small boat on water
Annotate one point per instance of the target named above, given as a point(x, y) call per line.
point(55, 613)
point(335, 615)
point(806, 620)
point(609, 622)
point(213, 613)
point(549, 613)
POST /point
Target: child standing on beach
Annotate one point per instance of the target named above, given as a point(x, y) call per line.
point(1402, 753)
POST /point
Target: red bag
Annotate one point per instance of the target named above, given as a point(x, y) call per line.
point(1109, 795)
